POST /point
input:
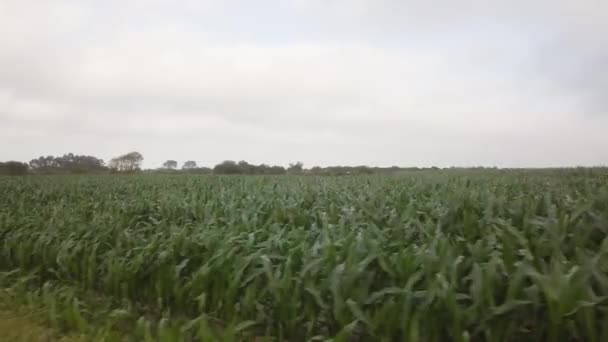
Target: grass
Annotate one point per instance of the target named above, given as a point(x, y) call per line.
point(21, 327)
point(427, 256)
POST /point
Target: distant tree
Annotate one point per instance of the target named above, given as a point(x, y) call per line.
point(230, 167)
point(277, 170)
point(295, 168)
point(362, 170)
point(199, 170)
point(67, 163)
point(263, 169)
point(80, 163)
point(44, 163)
point(170, 164)
point(246, 168)
point(13, 168)
point(130, 162)
point(227, 167)
point(190, 164)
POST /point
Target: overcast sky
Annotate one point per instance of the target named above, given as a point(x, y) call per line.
point(376, 82)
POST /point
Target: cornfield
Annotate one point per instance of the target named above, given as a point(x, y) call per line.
point(427, 256)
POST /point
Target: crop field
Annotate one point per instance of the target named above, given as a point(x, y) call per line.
point(422, 256)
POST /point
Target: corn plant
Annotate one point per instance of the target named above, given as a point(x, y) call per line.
point(427, 256)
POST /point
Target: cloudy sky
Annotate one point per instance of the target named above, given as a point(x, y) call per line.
point(376, 82)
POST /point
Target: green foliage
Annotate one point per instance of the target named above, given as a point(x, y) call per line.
point(13, 168)
point(230, 167)
point(68, 163)
point(430, 256)
point(295, 168)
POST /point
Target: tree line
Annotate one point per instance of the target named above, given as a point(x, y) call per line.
point(73, 164)
point(131, 163)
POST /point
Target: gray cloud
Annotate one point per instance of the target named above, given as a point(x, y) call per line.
point(353, 82)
